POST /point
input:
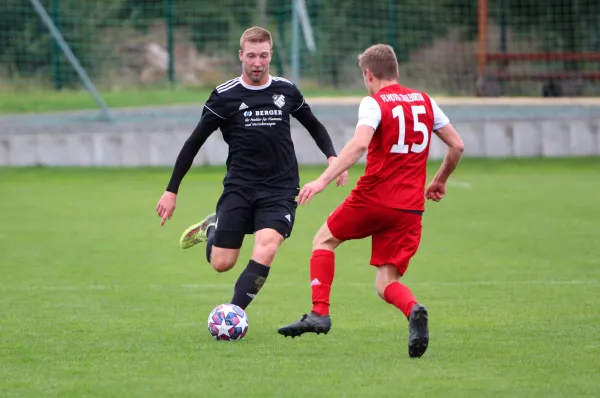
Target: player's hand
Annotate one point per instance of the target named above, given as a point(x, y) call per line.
point(166, 206)
point(435, 191)
point(342, 179)
point(309, 190)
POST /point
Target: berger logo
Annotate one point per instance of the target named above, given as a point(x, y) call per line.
point(248, 113)
point(279, 100)
point(269, 112)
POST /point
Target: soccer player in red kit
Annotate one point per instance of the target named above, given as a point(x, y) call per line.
point(395, 125)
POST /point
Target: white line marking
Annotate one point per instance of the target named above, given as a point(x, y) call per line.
point(460, 184)
point(287, 285)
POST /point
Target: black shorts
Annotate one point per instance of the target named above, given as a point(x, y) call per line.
point(243, 210)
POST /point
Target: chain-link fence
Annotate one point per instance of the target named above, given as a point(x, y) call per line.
point(453, 47)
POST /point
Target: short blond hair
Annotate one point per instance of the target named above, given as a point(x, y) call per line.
point(256, 34)
point(381, 60)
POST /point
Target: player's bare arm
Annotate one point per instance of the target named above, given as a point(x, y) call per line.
point(437, 188)
point(342, 179)
point(351, 153)
point(168, 201)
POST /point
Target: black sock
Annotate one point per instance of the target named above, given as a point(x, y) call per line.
point(249, 283)
point(210, 239)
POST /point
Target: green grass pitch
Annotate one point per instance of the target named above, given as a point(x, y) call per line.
point(98, 301)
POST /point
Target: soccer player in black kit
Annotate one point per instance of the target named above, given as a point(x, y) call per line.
point(262, 181)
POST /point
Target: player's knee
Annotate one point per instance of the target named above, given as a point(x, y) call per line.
point(266, 244)
point(222, 264)
point(324, 240)
point(223, 260)
point(264, 253)
point(317, 240)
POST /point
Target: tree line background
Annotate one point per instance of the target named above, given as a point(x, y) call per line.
point(124, 42)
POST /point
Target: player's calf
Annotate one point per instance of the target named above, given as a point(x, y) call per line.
point(392, 291)
point(254, 276)
point(249, 283)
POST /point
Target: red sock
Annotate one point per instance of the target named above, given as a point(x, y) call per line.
point(400, 297)
point(322, 267)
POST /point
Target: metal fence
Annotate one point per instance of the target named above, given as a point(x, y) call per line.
point(449, 47)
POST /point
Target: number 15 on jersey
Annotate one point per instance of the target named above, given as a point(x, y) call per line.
point(418, 127)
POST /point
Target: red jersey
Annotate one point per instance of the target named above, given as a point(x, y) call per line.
point(396, 169)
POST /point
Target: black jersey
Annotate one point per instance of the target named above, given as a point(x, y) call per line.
point(255, 123)
point(256, 126)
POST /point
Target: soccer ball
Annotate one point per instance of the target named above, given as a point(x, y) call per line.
point(228, 322)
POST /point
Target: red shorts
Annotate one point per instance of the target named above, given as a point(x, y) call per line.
point(395, 234)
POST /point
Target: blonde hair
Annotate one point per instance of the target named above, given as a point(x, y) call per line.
point(256, 34)
point(381, 60)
